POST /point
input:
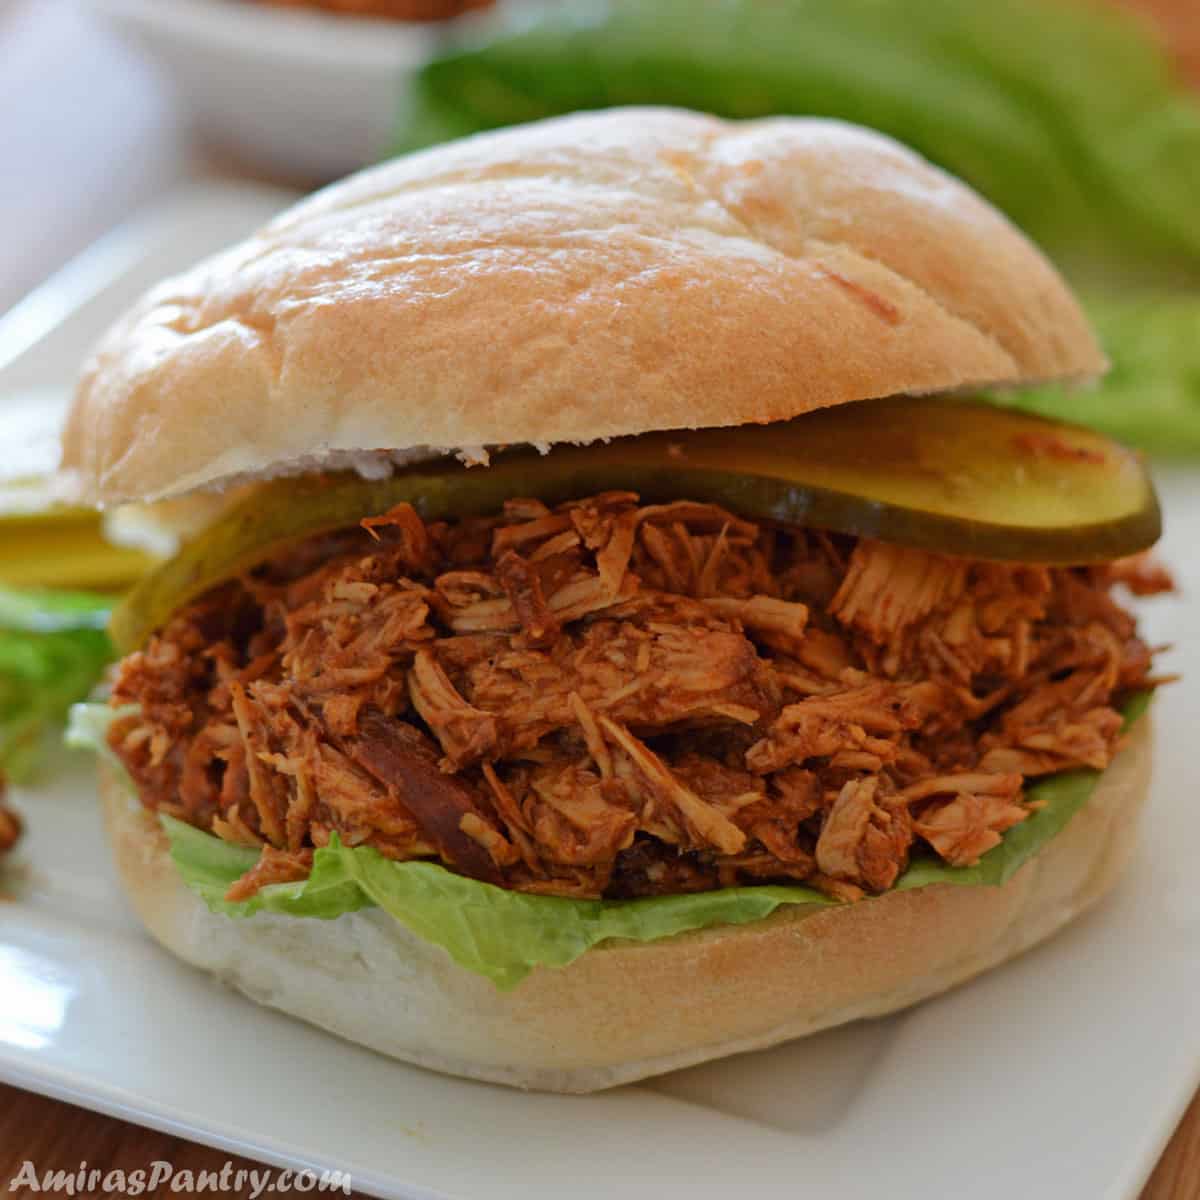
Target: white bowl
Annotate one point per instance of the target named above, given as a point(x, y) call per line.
point(308, 93)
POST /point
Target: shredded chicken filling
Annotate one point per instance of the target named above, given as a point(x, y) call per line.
point(614, 699)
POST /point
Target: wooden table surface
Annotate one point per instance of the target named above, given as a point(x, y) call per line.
point(104, 138)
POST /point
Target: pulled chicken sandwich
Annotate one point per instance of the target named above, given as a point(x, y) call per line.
point(618, 624)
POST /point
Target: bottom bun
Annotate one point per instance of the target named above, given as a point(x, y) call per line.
point(627, 1010)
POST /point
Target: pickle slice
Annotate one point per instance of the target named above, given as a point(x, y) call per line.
point(66, 547)
point(960, 478)
point(43, 542)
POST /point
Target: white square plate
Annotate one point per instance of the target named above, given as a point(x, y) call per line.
point(1061, 1075)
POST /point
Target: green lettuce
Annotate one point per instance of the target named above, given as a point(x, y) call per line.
point(1151, 397)
point(503, 935)
point(494, 932)
point(53, 651)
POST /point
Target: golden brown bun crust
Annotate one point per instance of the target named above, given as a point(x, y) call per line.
point(596, 275)
point(627, 1010)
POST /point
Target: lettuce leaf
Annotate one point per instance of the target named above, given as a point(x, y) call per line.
point(503, 935)
point(497, 933)
point(1065, 115)
point(1151, 397)
point(53, 651)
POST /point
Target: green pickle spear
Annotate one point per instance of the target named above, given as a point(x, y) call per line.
point(950, 476)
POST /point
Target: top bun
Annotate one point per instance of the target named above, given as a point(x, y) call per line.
point(602, 274)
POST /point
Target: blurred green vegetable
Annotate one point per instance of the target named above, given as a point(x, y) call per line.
point(1065, 115)
point(53, 651)
point(1151, 397)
